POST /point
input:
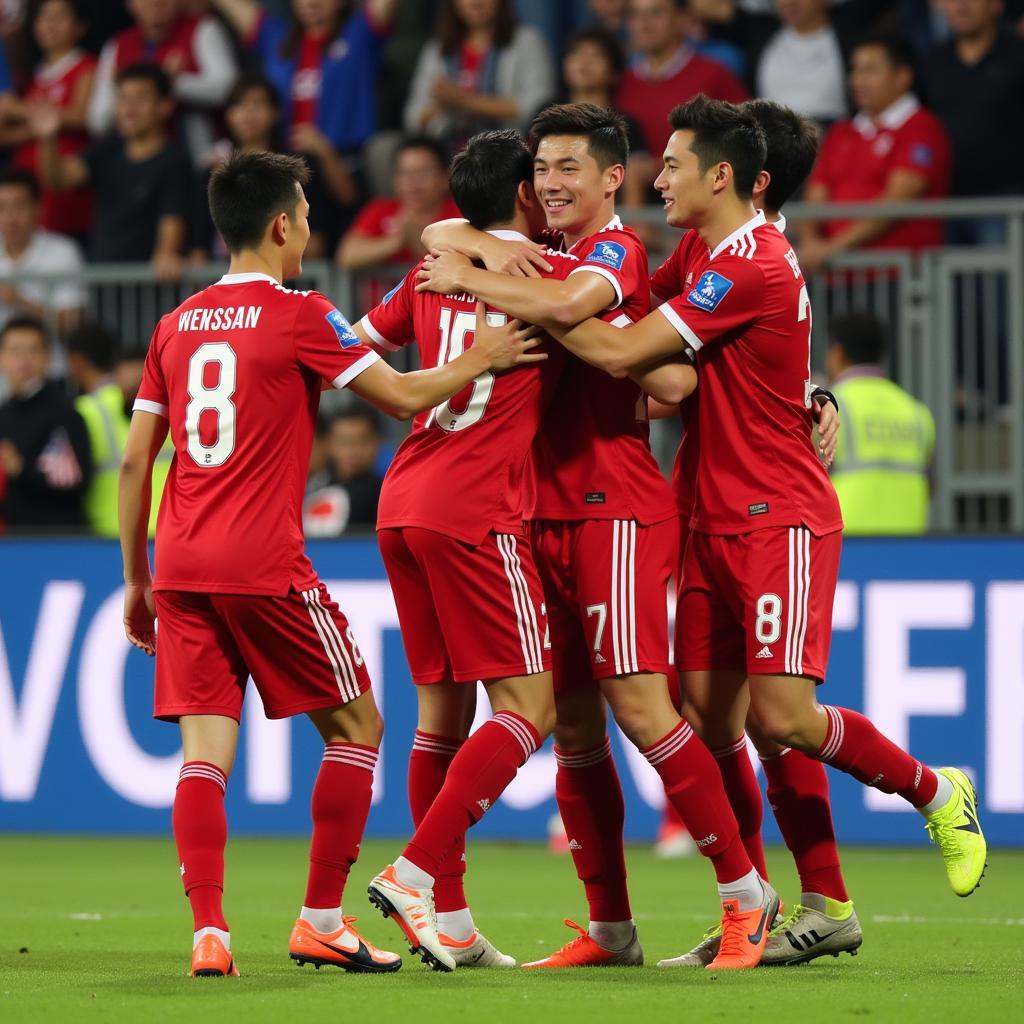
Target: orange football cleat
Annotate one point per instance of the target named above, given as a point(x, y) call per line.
point(211, 959)
point(583, 951)
point(345, 948)
point(745, 933)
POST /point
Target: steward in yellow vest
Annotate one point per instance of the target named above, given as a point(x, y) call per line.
point(881, 468)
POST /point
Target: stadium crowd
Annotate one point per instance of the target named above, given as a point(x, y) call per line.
point(113, 114)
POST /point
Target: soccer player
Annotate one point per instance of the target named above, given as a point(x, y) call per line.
point(604, 531)
point(763, 556)
point(234, 374)
point(824, 921)
point(462, 569)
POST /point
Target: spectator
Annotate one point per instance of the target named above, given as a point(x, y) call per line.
point(142, 180)
point(55, 73)
point(882, 462)
point(666, 71)
point(347, 492)
point(975, 84)
point(324, 63)
point(388, 229)
point(592, 69)
point(611, 16)
point(481, 70)
point(892, 150)
point(193, 49)
point(802, 65)
point(26, 248)
point(709, 22)
point(44, 450)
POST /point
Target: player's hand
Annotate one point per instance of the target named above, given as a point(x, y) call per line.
point(440, 272)
point(517, 259)
point(10, 459)
point(140, 616)
point(827, 418)
point(506, 346)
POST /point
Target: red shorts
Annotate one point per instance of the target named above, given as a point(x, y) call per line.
point(298, 649)
point(758, 602)
point(466, 613)
point(606, 593)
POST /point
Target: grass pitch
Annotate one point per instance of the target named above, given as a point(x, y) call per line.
point(97, 929)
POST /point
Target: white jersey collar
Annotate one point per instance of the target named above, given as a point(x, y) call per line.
point(894, 117)
point(755, 222)
point(246, 279)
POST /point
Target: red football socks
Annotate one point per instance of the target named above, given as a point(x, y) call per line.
point(798, 794)
point(590, 802)
point(201, 833)
point(745, 798)
point(853, 745)
point(428, 765)
point(478, 775)
point(693, 784)
point(340, 805)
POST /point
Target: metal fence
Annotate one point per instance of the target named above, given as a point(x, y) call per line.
point(955, 317)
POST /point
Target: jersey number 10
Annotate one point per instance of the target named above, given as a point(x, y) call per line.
point(454, 328)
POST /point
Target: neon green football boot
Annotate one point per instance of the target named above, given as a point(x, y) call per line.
point(955, 830)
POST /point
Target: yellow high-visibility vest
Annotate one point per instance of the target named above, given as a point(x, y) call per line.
point(881, 467)
point(107, 426)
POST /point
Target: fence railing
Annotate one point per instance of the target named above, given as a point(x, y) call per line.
point(955, 317)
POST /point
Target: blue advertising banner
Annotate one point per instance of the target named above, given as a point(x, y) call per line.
point(929, 643)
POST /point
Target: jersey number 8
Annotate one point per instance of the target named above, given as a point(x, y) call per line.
point(216, 399)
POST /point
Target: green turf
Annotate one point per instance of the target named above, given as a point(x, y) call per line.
point(97, 929)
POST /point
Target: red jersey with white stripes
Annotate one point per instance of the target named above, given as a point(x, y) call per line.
point(748, 317)
point(461, 470)
point(237, 369)
point(592, 458)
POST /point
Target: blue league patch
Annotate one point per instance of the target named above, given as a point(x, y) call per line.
point(394, 291)
point(921, 155)
point(709, 291)
point(611, 254)
point(342, 329)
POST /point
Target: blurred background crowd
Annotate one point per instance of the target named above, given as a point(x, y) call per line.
point(113, 112)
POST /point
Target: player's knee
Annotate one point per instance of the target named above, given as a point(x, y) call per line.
point(780, 725)
point(579, 734)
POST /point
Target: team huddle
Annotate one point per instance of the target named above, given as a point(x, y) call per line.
point(529, 539)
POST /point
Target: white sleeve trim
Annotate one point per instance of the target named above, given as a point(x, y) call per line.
point(681, 326)
point(591, 268)
point(349, 375)
point(375, 336)
point(145, 405)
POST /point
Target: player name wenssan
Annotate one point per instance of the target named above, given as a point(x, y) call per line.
point(222, 318)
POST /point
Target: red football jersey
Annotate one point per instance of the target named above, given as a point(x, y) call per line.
point(748, 317)
point(592, 458)
point(237, 369)
point(461, 470)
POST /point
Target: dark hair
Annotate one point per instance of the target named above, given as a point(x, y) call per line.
point(249, 190)
point(357, 412)
point(604, 40)
point(792, 149)
point(96, 343)
point(247, 82)
point(19, 177)
point(428, 142)
point(25, 53)
point(861, 336)
point(899, 51)
point(451, 29)
point(292, 41)
point(604, 130)
point(486, 176)
point(152, 73)
point(24, 322)
point(723, 133)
